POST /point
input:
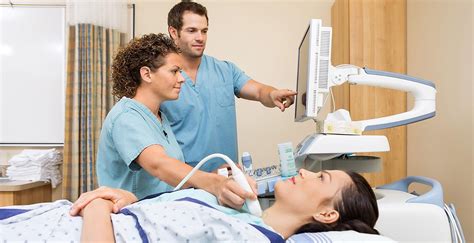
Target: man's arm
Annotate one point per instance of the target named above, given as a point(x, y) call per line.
point(267, 95)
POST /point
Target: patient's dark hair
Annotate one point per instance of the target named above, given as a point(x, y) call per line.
point(357, 209)
point(147, 51)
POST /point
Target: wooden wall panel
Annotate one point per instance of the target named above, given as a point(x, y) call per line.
point(340, 42)
point(377, 40)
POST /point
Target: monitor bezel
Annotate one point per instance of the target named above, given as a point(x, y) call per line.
point(314, 32)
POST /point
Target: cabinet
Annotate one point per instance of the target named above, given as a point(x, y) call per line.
point(24, 192)
point(372, 33)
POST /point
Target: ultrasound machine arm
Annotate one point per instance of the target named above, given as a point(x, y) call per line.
point(423, 91)
point(324, 145)
point(335, 132)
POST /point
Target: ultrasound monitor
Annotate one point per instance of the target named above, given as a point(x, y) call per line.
point(314, 60)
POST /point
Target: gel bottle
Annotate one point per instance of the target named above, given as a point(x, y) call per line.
point(247, 163)
point(287, 159)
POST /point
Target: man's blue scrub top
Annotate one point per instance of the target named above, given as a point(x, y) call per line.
point(128, 129)
point(203, 118)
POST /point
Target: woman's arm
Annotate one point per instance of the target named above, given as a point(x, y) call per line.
point(96, 225)
point(156, 162)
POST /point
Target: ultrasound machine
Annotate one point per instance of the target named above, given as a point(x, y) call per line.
point(404, 216)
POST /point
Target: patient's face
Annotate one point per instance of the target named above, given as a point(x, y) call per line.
point(308, 192)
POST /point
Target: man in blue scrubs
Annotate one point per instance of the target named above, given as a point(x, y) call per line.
point(204, 118)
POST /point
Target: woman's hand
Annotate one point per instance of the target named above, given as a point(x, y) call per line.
point(120, 198)
point(231, 194)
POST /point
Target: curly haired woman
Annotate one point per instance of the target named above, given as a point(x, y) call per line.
point(138, 151)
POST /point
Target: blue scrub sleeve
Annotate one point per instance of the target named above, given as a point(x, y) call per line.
point(131, 135)
point(239, 77)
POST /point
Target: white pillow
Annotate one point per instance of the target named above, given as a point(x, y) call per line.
point(337, 236)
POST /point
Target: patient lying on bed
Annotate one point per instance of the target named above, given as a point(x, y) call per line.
point(310, 202)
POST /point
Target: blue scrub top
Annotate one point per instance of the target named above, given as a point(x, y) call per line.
point(128, 129)
point(203, 118)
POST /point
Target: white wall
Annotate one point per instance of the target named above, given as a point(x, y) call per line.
point(262, 38)
point(440, 48)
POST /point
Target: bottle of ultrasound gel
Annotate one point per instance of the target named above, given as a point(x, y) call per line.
point(247, 163)
point(287, 159)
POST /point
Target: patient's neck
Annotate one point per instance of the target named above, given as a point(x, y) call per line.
point(281, 220)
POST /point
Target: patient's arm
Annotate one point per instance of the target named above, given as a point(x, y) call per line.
point(119, 197)
point(96, 224)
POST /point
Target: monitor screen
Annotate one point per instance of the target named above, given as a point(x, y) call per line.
point(302, 78)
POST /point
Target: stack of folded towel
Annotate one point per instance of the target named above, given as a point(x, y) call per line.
point(36, 165)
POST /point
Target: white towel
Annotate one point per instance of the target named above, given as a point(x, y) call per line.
point(51, 174)
point(36, 165)
point(40, 157)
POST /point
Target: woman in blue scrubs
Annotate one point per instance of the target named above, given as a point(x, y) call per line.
point(138, 151)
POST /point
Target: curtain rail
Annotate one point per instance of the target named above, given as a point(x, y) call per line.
point(30, 5)
point(40, 5)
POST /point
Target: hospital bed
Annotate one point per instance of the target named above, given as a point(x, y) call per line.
point(404, 217)
point(408, 217)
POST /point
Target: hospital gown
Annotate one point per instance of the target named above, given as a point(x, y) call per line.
point(185, 216)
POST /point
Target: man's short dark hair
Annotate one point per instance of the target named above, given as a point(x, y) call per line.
point(175, 15)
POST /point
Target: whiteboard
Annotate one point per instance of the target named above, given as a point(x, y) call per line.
point(32, 74)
